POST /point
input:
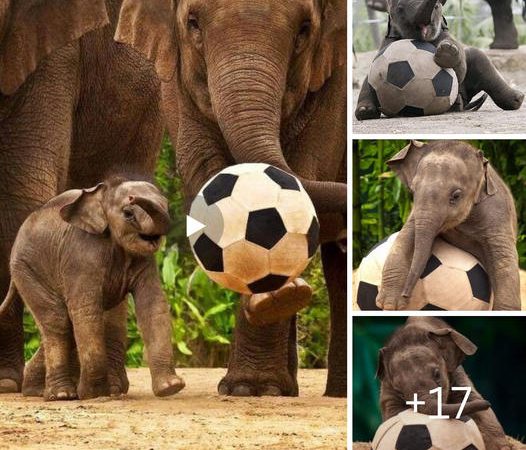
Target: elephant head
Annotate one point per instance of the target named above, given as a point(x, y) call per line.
point(447, 179)
point(418, 359)
point(247, 65)
point(417, 19)
point(30, 30)
point(134, 212)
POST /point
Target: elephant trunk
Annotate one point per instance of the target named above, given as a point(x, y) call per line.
point(160, 219)
point(246, 90)
point(424, 12)
point(426, 229)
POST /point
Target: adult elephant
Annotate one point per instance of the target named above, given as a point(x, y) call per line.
point(259, 81)
point(74, 107)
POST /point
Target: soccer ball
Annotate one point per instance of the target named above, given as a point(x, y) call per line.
point(452, 280)
point(408, 82)
point(261, 228)
point(414, 431)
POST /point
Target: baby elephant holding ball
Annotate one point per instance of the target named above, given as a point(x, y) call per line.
point(79, 256)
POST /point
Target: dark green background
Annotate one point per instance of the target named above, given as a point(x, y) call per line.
point(497, 370)
point(381, 204)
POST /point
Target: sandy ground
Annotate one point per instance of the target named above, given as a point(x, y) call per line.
point(489, 119)
point(196, 418)
point(354, 294)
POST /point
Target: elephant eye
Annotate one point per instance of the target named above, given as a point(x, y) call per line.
point(128, 215)
point(436, 374)
point(305, 28)
point(192, 22)
point(456, 195)
point(303, 35)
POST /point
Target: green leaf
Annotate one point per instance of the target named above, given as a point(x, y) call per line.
point(183, 348)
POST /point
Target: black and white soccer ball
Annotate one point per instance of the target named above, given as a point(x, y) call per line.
point(261, 228)
point(453, 280)
point(414, 431)
point(408, 82)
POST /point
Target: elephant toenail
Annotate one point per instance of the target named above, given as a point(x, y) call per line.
point(223, 389)
point(271, 391)
point(242, 390)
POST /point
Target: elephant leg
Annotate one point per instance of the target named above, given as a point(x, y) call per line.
point(35, 375)
point(483, 76)
point(506, 36)
point(34, 153)
point(368, 106)
point(263, 360)
point(396, 269)
point(335, 270)
point(116, 344)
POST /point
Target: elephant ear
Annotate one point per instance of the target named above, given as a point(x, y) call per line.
point(332, 48)
point(149, 27)
point(489, 184)
point(455, 346)
point(405, 162)
point(85, 211)
point(36, 28)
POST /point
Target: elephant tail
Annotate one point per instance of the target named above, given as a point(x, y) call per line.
point(7, 305)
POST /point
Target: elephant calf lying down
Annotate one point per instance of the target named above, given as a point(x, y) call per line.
point(79, 255)
point(422, 355)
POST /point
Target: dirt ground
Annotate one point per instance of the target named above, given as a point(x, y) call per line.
point(196, 418)
point(489, 119)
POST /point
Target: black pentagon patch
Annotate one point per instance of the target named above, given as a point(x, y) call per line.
point(411, 111)
point(282, 178)
point(367, 294)
point(432, 264)
point(470, 447)
point(400, 73)
point(422, 45)
point(220, 187)
point(443, 83)
point(430, 307)
point(480, 285)
point(414, 437)
point(267, 284)
point(265, 228)
point(209, 253)
point(313, 236)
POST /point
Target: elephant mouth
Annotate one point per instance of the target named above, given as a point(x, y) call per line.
point(153, 241)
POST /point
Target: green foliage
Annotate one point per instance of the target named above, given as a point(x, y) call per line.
point(203, 313)
point(382, 204)
point(469, 21)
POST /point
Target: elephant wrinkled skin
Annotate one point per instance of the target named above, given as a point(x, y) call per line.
point(74, 107)
point(81, 254)
point(459, 196)
point(261, 81)
point(420, 356)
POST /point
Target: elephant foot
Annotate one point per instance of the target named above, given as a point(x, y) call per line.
point(367, 111)
point(391, 303)
point(10, 381)
point(510, 100)
point(504, 45)
point(93, 389)
point(336, 386)
point(447, 54)
point(249, 383)
point(60, 392)
point(118, 381)
point(166, 385)
point(271, 307)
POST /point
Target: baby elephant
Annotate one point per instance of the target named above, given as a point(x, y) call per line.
point(81, 254)
point(427, 353)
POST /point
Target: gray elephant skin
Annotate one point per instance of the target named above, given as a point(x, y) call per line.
point(79, 255)
point(422, 20)
point(427, 353)
point(74, 107)
point(459, 196)
point(261, 81)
